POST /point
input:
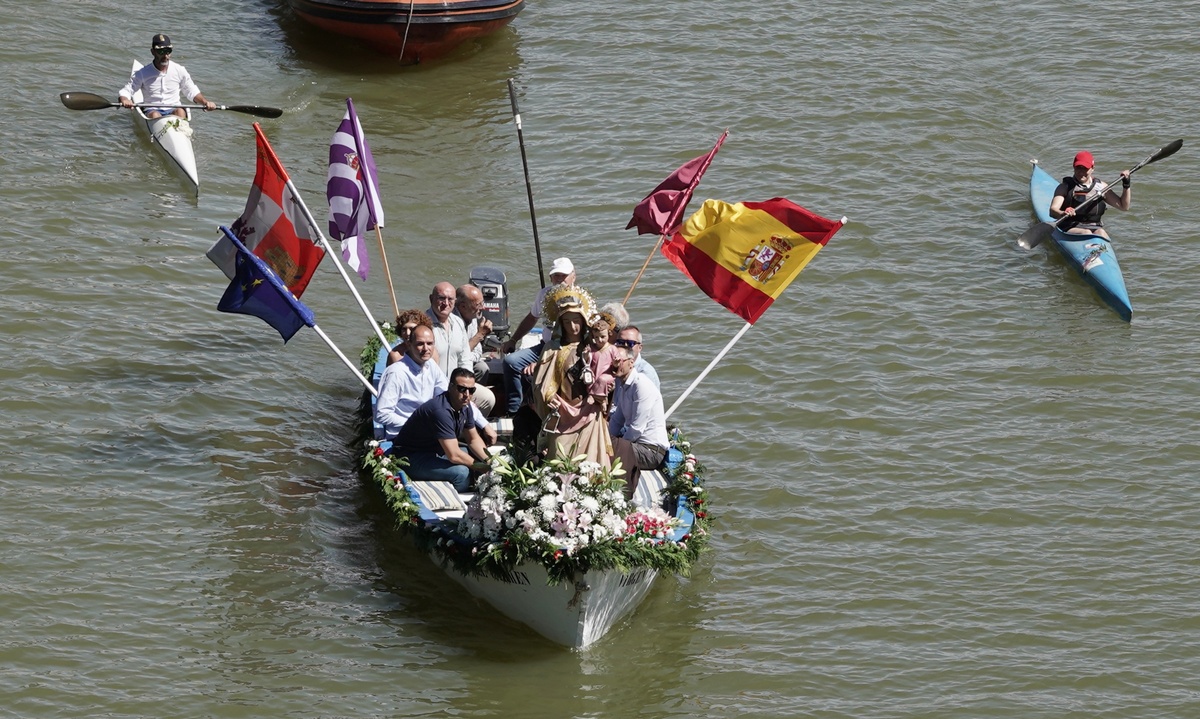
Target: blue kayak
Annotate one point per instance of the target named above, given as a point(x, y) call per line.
point(1092, 256)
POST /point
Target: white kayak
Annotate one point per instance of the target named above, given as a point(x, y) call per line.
point(172, 136)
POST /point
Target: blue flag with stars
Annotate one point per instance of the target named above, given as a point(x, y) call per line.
point(257, 290)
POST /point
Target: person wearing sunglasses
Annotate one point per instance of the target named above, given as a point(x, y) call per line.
point(162, 82)
point(413, 380)
point(630, 337)
point(440, 441)
point(637, 421)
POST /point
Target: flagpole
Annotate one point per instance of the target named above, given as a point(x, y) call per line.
point(337, 261)
point(676, 212)
point(338, 352)
point(537, 245)
point(644, 266)
point(708, 369)
point(387, 271)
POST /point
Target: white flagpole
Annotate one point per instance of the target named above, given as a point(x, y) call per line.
point(337, 261)
point(708, 369)
point(338, 352)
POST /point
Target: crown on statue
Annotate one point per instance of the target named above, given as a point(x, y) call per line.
point(568, 298)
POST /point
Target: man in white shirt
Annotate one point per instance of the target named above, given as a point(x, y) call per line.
point(450, 336)
point(161, 83)
point(411, 382)
point(636, 421)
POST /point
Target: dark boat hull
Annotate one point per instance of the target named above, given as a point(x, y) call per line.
point(431, 30)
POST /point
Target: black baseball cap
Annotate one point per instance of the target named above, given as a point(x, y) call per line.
point(160, 40)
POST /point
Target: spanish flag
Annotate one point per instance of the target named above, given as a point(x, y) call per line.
point(744, 255)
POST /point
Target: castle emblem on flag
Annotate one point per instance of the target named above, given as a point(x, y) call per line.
point(765, 258)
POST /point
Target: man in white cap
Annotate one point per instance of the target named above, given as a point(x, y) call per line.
point(520, 362)
point(161, 82)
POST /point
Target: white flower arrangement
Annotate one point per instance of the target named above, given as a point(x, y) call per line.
point(558, 508)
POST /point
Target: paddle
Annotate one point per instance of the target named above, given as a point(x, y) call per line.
point(1037, 234)
point(92, 101)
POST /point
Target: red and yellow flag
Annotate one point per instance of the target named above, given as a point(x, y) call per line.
point(744, 255)
point(273, 226)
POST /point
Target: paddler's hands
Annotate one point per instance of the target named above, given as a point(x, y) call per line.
point(125, 102)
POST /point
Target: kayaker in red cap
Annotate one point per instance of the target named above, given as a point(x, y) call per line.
point(1074, 191)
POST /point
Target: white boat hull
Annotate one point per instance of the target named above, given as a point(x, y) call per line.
point(171, 136)
point(575, 614)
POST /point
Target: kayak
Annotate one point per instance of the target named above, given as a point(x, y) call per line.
point(1092, 256)
point(172, 136)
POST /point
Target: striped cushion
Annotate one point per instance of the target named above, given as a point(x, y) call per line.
point(504, 429)
point(650, 487)
point(438, 496)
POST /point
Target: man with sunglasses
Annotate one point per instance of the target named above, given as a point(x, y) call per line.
point(161, 83)
point(439, 439)
point(411, 382)
point(636, 421)
point(631, 338)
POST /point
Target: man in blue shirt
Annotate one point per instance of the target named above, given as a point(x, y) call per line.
point(440, 440)
point(409, 383)
point(636, 421)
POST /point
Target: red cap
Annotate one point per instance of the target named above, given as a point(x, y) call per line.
point(1084, 158)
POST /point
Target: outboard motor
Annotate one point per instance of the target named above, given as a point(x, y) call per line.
point(493, 284)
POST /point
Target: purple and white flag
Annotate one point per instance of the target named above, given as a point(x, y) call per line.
point(353, 191)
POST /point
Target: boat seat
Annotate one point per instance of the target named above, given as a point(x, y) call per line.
point(436, 500)
point(651, 484)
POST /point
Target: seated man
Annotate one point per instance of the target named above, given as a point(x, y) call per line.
point(630, 336)
point(450, 335)
point(413, 381)
point(409, 383)
point(439, 439)
point(469, 307)
point(636, 422)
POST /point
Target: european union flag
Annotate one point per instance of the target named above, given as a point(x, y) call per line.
point(257, 290)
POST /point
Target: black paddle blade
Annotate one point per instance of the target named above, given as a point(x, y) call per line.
point(1164, 152)
point(85, 101)
point(255, 110)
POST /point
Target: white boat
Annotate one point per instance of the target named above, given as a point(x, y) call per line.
point(172, 136)
point(576, 607)
point(575, 612)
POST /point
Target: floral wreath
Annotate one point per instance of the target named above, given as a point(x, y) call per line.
point(568, 298)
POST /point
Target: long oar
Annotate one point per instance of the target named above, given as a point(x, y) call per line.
point(1037, 234)
point(537, 245)
point(92, 101)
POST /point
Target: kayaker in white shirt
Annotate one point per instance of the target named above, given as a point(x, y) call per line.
point(162, 82)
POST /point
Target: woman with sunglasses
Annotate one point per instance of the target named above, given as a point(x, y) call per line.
point(161, 82)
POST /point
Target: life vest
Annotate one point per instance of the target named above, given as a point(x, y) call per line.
point(1077, 194)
